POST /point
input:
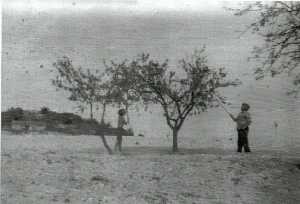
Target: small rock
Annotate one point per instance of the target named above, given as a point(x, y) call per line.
point(156, 178)
point(55, 199)
point(101, 179)
point(235, 180)
point(49, 161)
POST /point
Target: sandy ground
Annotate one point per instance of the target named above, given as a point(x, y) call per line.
point(65, 169)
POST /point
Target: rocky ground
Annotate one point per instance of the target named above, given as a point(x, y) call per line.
point(64, 169)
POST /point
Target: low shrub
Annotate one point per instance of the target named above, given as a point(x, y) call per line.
point(45, 110)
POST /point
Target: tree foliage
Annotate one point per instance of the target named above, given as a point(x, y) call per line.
point(84, 86)
point(278, 23)
point(120, 80)
point(177, 94)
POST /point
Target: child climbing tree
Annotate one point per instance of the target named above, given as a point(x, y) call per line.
point(191, 90)
point(84, 87)
point(119, 78)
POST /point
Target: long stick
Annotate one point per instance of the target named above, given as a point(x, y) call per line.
point(221, 104)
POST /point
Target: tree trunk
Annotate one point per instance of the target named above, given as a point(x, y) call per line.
point(103, 113)
point(175, 142)
point(91, 110)
point(126, 108)
point(106, 144)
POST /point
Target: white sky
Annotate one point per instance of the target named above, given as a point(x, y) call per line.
point(118, 5)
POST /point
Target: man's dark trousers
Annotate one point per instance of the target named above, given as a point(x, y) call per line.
point(243, 140)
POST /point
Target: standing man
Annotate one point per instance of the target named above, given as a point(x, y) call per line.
point(243, 120)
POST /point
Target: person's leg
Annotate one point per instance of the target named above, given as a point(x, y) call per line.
point(117, 143)
point(120, 143)
point(239, 143)
point(246, 144)
point(243, 139)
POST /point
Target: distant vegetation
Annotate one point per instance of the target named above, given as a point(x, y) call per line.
point(47, 120)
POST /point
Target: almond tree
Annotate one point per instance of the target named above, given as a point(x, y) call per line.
point(81, 86)
point(179, 94)
point(278, 23)
point(121, 80)
point(84, 87)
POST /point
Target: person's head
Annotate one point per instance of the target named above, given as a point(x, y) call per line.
point(245, 107)
point(122, 112)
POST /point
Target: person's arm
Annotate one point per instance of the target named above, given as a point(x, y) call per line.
point(249, 119)
point(232, 117)
point(124, 121)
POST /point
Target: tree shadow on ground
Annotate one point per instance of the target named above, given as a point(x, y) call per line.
point(165, 150)
point(145, 150)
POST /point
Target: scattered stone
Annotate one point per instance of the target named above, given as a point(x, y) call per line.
point(188, 195)
point(55, 199)
point(101, 179)
point(67, 159)
point(49, 161)
point(156, 178)
point(235, 180)
point(237, 195)
point(51, 152)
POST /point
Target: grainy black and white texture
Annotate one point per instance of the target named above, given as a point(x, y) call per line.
point(59, 168)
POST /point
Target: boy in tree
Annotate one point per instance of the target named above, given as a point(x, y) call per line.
point(243, 120)
point(121, 123)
